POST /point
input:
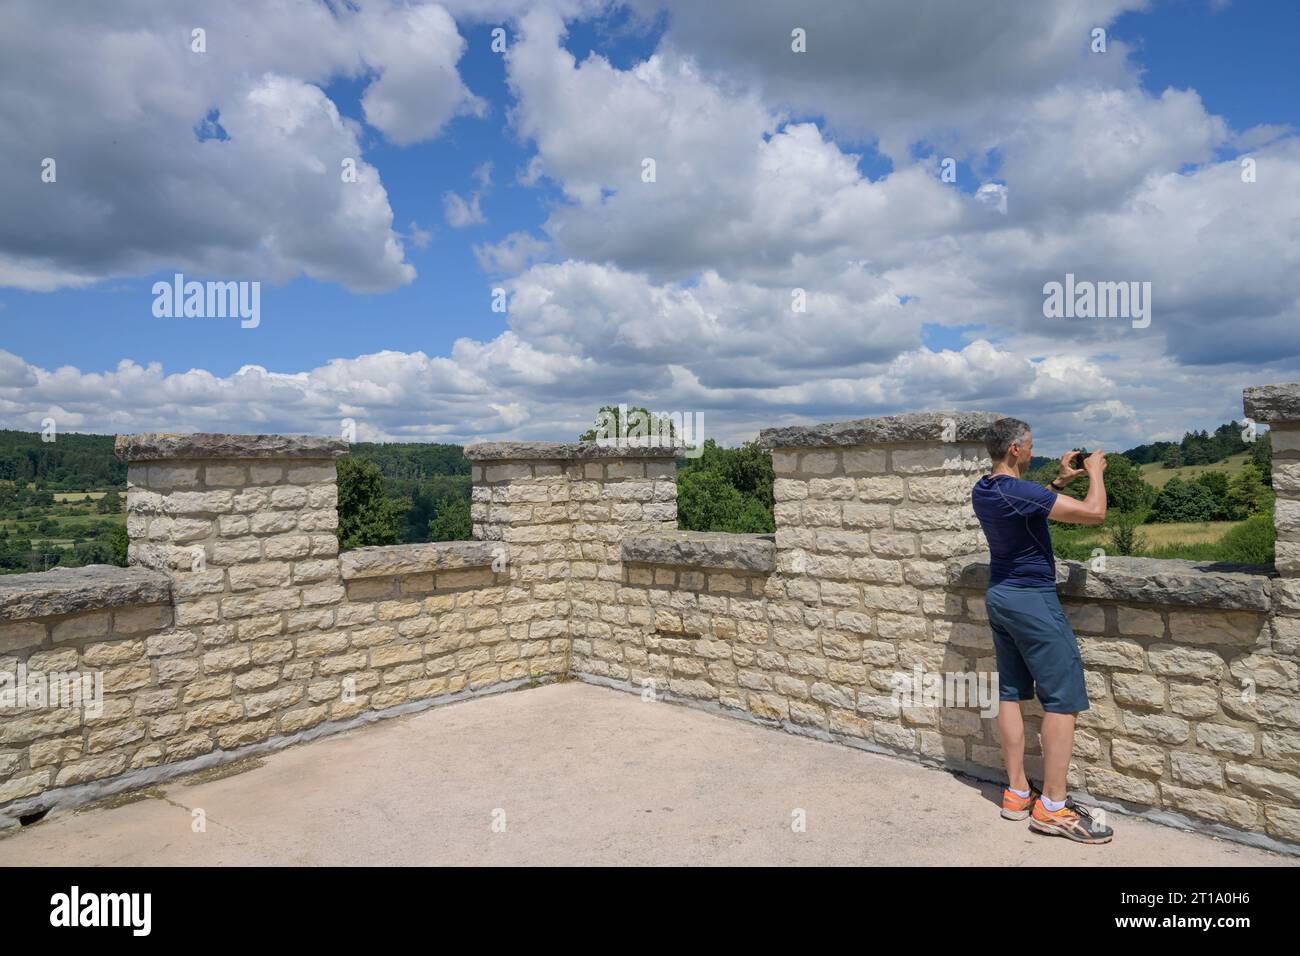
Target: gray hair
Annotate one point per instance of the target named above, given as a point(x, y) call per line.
point(1002, 434)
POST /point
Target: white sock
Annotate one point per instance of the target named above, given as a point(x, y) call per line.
point(1052, 805)
point(1019, 793)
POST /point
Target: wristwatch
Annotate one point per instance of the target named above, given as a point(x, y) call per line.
point(1054, 486)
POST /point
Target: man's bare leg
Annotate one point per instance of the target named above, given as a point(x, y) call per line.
point(1011, 728)
point(1058, 747)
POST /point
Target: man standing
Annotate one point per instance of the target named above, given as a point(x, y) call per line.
point(1035, 645)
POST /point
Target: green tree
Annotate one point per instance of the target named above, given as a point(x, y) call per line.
point(415, 523)
point(13, 553)
point(1217, 483)
point(110, 504)
point(1261, 456)
point(610, 424)
point(91, 552)
point(1247, 495)
point(367, 516)
point(1181, 500)
point(451, 519)
point(117, 543)
point(1124, 535)
point(726, 489)
point(747, 468)
point(1126, 489)
point(706, 501)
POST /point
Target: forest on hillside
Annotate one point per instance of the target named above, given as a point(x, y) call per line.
point(68, 462)
point(1196, 448)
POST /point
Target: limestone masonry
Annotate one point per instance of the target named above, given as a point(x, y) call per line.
point(239, 627)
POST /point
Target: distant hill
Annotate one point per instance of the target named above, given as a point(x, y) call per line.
point(422, 477)
point(72, 462)
point(78, 462)
point(1196, 448)
point(413, 461)
point(1157, 475)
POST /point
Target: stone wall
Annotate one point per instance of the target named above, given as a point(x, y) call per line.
point(563, 511)
point(874, 578)
point(78, 621)
point(240, 628)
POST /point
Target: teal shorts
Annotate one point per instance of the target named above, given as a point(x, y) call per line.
point(1036, 648)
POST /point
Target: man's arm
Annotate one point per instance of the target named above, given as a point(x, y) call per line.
point(1092, 509)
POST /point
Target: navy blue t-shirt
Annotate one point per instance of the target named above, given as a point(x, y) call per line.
point(1013, 513)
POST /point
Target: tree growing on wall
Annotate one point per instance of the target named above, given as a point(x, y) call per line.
point(610, 424)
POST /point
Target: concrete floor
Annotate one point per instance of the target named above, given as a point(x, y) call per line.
point(582, 775)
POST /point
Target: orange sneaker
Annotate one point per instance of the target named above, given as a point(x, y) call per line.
point(1016, 807)
point(1071, 821)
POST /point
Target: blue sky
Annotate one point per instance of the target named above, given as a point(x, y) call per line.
point(315, 321)
point(1241, 58)
point(967, 336)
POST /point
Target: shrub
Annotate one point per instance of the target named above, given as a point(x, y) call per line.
point(1261, 456)
point(118, 543)
point(1181, 500)
point(1247, 495)
point(1124, 536)
point(1251, 542)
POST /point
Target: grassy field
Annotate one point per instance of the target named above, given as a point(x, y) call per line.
point(1164, 535)
point(61, 540)
point(1192, 540)
point(61, 518)
point(1156, 474)
point(70, 510)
